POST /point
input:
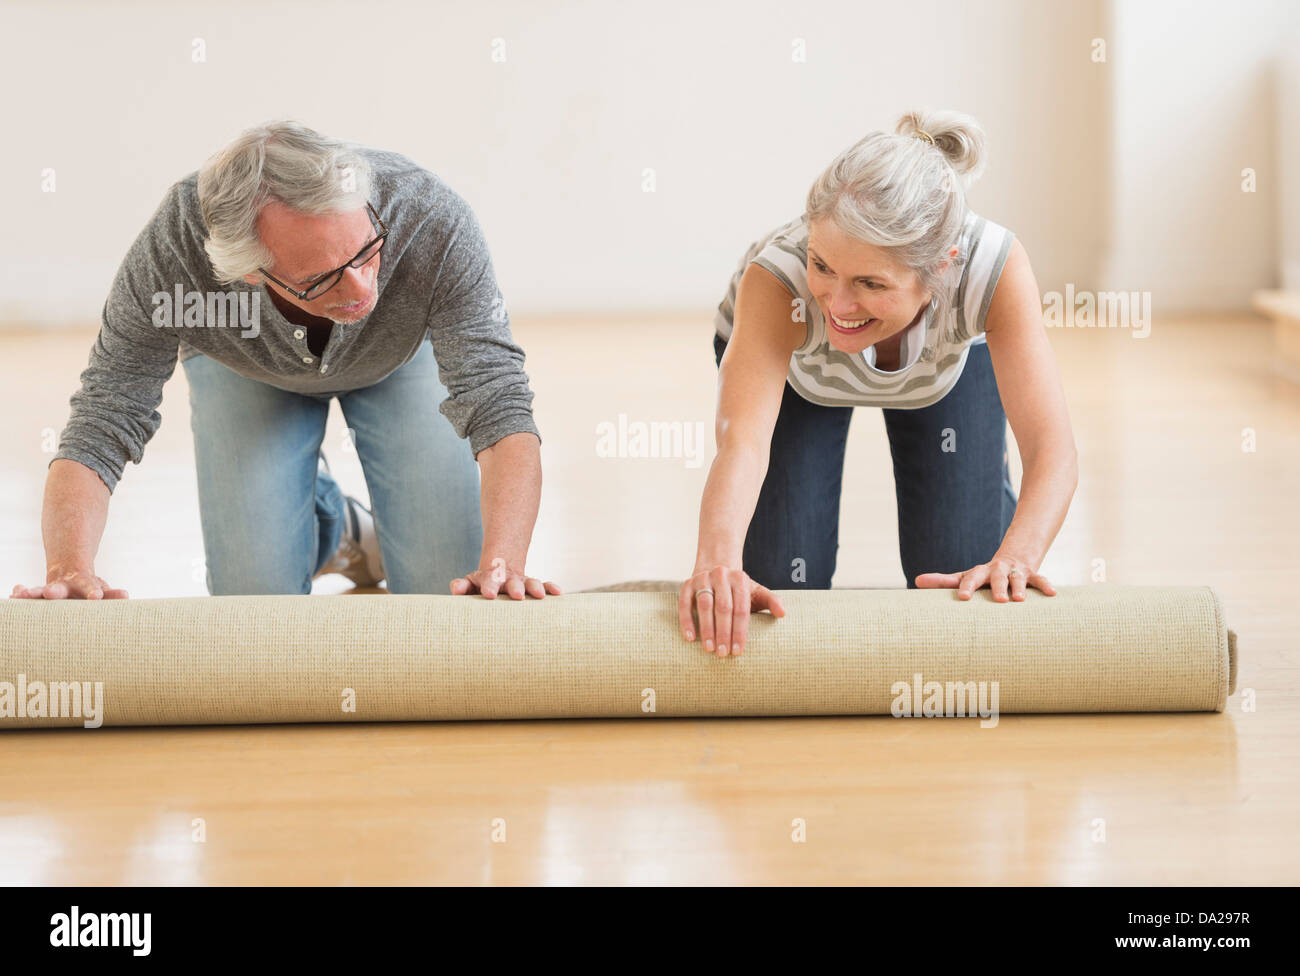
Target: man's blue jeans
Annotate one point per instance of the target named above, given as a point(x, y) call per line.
point(272, 518)
point(954, 506)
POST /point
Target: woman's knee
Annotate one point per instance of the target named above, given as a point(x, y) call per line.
point(789, 565)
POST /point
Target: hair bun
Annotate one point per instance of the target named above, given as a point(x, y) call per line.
point(959, 137)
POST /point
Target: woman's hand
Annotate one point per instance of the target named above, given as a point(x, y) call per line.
point(76, 584)
point(724, 599)
point(501, 578)
point(997, 573)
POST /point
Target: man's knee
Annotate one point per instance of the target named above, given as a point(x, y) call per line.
point(262, 579)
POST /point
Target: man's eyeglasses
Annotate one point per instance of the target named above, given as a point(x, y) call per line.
point(325, 282)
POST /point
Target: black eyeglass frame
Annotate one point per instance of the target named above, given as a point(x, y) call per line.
point(315, 290)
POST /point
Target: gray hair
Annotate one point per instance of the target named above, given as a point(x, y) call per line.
point(285, 161)
point(905, 193)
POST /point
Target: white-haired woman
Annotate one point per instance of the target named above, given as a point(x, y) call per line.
point(889, 292)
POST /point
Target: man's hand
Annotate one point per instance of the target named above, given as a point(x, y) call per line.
point(502, 578)
point(511, 491)
point(75, 584)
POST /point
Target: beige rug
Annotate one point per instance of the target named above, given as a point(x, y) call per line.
point(615, 653)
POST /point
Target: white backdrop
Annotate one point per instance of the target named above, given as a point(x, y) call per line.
point(1122, 173)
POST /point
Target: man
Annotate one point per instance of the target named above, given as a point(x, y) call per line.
point(292, 269)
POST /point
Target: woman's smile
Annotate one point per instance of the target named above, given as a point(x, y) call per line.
point(851, 326)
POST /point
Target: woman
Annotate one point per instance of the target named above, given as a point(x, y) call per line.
point(887, 292)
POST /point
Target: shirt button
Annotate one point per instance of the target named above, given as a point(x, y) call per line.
point(308, 359)
point(325, 367)
point(927, 354)
point(298, 333)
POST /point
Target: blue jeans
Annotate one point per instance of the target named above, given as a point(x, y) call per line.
point(954, 506)
point(272, 518)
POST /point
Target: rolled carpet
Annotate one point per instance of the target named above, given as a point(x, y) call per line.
point(249, 659)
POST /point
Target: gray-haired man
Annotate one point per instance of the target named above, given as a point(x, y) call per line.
point(290, 270)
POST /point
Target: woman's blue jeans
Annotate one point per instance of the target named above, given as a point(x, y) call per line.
point(954, 506)
point(272, 518)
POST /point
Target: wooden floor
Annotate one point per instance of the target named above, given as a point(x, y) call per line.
point(1167, 495)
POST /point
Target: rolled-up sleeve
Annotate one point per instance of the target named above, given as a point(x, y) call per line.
point(114, 413)
point(479, 362)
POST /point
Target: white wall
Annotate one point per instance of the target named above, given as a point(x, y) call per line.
point(549, 146)
point(1287, 159)
point(1192, 105)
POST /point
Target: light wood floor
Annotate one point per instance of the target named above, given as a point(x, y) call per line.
point(1167, 496)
